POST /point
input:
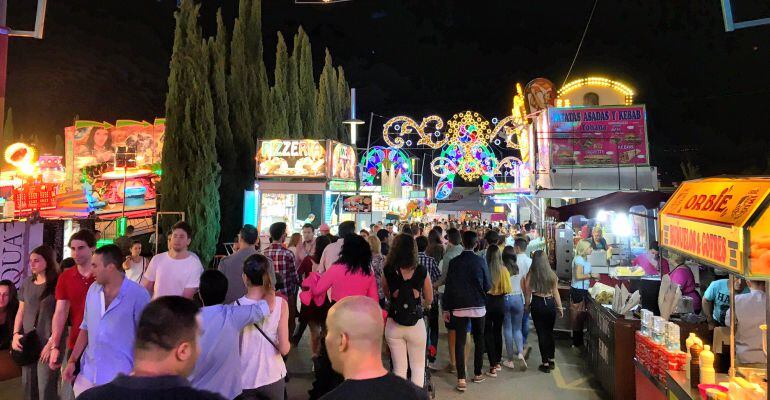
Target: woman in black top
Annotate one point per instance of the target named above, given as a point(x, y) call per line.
point(9, 304)
point(407, 285)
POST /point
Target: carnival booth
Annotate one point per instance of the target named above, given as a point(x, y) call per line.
point(624, 222)
point(724, 224)
point(301, 181)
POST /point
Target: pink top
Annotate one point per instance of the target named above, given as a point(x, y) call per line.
point(683, 276)
point(344, 284)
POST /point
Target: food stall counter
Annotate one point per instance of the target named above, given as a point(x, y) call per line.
point(679, 387)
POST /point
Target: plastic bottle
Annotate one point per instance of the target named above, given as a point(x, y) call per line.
point(707, 373)
point(688, 343)
point(695, 351)
point(672, 337)
point(647, 322)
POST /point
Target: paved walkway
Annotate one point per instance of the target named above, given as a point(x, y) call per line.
point(570, 380)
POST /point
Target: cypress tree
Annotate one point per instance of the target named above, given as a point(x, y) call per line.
point(230, 196)
point(8, 135)
point(293, 109)
point(191, 174)
point(343, 106)
point(279, 101)
point(307, 87)
point(258, 93)
point(239, 82)
point(325, 103)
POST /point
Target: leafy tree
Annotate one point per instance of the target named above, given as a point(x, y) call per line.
point(239, 82)
point(230, 195)
point(279, 94)
point(342, 111)
point(307, 87)
point(326, 101)
point(293, 112)
point(8, 135)
point(191, 173)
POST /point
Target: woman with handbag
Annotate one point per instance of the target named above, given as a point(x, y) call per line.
point(263, 345)
point(581, 276)
point(32, 327)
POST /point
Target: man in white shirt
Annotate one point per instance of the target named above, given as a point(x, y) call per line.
point(176, 272)
point(749, 315)
point(332, 252)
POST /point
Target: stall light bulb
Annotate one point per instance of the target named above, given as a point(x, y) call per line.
point(602, 216)
point(621, 226)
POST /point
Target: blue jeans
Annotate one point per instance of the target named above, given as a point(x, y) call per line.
point(525, 326)
point(512, 323)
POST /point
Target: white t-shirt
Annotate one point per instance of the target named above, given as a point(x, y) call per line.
point(523, 262)
point(172, 276)
point(135, 269)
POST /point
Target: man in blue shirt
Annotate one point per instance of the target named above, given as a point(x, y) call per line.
point(218, 368)
point(113, 307)
point(716, 300)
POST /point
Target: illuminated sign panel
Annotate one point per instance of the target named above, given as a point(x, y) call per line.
point(719, 245)
point(291, 158)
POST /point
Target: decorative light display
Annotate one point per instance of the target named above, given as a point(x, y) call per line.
point(598, 81)
point(465, 146)
point(378, 158)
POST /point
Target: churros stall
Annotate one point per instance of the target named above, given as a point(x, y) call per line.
point(723, 223)
point(298, 182)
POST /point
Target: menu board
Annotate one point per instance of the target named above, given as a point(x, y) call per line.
point(357, 204)
point(291, 158)
point(343, 162)
point(597, 136)
point(380, 203)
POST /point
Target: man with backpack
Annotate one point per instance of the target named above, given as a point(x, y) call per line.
point(408, 286)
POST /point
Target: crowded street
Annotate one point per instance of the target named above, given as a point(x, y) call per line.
point(384, 200)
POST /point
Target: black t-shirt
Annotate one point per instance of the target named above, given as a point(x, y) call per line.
point(125, 387)
point(386, 387)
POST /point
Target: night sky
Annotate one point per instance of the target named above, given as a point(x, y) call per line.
point(707, 91)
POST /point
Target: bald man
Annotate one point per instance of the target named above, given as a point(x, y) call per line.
point(354, 343)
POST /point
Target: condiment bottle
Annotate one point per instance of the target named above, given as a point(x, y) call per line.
point(688, 343)
point(695, 351)
point(707, 373)
point(672, 337)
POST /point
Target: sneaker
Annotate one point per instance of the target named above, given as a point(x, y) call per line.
point(480, 378)
point(523, 362)
point(509, 364)
point(544, 368)
point(552, 364)
point(492, 372)
point(461, 385)
point(498, 368)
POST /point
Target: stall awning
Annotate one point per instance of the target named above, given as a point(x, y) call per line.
point(618, 201)
point(722, 222)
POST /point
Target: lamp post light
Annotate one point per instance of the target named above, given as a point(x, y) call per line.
point(353, 122)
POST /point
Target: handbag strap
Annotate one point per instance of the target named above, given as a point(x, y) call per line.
point(37, 313)
point(238, 302)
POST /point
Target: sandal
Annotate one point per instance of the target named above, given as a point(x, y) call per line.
point(461, 385)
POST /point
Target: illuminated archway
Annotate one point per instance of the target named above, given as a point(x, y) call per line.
point(621, 88)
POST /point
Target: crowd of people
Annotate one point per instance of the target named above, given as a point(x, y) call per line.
point(116, 324)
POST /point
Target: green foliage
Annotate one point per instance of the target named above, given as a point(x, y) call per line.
point(9, 136)
point(230, 204)
point(191, 173)
point(326, 100)
point(278, 125)
point(307, 87)
point(293, 113)
point(342, 111)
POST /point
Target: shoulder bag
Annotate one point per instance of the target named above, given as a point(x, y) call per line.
point(30, 345)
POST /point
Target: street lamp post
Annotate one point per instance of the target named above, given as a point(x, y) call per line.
point(353, 122)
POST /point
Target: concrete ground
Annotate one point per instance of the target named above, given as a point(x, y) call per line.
point(570, 380)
